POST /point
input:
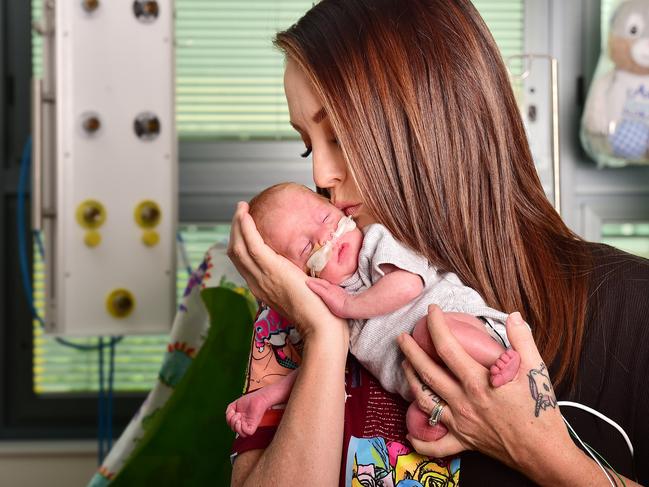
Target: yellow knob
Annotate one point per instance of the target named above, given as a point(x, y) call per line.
point(91, 214)
point(150, 238)
point(92, 238)
point(90, 5)
point(120, 303)
point(147, 214)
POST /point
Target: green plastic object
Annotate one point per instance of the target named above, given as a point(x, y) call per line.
point(187, 442)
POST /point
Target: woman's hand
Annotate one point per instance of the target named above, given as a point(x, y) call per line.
point(276, 280)
point(518, 423)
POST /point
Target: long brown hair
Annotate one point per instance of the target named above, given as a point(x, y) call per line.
point(421, 103)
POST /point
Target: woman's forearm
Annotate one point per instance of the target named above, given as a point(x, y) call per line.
point(307, 446)
point(569, 468)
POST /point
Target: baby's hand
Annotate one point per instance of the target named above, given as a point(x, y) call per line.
point(336, 299)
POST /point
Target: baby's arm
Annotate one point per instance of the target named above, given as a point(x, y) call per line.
point(393, 291)
point(245, 414)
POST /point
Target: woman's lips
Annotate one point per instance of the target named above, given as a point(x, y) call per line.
point(350, 210)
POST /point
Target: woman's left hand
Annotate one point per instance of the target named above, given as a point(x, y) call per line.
point(518, 423)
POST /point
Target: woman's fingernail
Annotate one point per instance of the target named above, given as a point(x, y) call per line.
point(517, 318)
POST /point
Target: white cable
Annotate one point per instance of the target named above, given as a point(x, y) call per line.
point(600, 416)
point(572, 431)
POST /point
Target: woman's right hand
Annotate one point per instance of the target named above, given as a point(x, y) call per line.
point(518, 423)
point(277, 281)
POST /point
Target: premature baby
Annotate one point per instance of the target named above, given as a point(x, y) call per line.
point(381, 287)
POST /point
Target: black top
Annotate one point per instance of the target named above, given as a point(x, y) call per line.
point(613, 374)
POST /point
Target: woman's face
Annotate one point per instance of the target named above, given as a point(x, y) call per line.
point(330, 169)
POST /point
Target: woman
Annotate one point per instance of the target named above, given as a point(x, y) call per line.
point(407, 110)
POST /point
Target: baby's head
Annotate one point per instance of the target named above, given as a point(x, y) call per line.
point(295, 222)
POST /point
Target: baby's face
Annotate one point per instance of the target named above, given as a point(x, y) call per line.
point(301, 222)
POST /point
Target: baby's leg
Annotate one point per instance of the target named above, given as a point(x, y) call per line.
point(470, 332)
point(244, 414)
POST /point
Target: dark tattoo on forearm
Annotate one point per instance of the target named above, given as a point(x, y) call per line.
point(541, 389)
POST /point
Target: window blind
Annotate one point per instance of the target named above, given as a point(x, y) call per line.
point(505, 19)
point(229, 76)
point(228, 87)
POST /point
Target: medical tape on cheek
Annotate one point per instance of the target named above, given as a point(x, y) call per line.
point(320, 257)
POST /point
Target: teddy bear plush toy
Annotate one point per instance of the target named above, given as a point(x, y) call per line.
point(615, 124)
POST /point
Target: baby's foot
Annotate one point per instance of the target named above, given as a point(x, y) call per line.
point(418, 427)
point(505, 368)
point(244, 415)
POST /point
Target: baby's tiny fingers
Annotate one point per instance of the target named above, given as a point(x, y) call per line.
point(229, 412)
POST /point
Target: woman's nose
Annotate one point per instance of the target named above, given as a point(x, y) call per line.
point(328, 172)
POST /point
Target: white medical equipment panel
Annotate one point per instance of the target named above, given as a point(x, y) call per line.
point(110, 251)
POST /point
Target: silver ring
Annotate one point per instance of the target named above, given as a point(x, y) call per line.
point(436, 413)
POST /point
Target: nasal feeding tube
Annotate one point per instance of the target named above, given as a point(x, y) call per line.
point(320, 257)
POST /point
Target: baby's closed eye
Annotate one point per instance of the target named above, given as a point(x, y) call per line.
point(306, 250)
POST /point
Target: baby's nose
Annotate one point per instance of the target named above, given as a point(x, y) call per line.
point(326, 233)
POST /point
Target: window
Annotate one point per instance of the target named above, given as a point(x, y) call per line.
point(632, 237)
point(229, 86)
point(230, 99)
point(229, 76)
